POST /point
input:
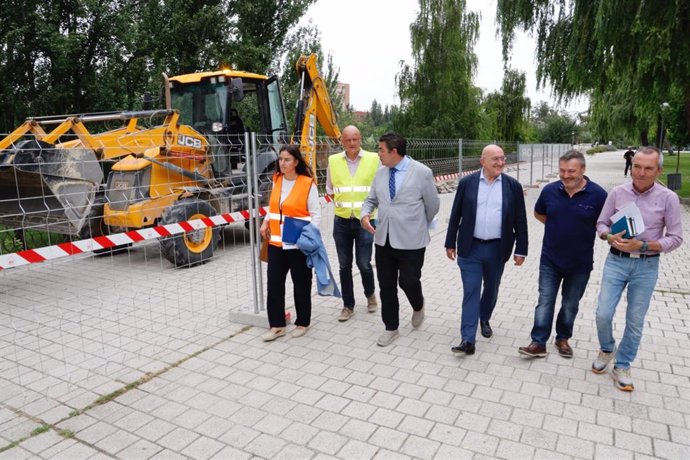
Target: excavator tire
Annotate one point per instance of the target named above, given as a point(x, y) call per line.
point(95, 226)
point(191, 248)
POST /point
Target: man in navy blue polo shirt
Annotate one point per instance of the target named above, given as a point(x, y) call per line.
point(569, 209)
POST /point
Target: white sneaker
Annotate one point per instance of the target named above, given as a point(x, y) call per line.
point(372, 305)
point(386, 338)
point(622, 380)
point(417, 318)
point(601, 363)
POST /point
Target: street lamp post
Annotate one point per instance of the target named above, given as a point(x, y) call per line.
point(664, 106)
point(572, 133)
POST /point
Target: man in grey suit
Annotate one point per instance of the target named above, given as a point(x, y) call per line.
point(405, 195)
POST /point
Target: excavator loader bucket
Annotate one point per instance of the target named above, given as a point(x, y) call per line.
point(48, 188)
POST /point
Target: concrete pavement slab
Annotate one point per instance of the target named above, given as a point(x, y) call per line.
point(213, 389)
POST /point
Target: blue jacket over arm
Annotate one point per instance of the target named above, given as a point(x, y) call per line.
point(311, 244)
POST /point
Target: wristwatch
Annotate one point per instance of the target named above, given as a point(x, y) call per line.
point(644, 247)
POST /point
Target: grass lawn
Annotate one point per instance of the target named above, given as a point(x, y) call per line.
point(684, 170)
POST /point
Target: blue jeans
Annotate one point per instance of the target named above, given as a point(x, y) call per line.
point(348, 233)
point(484, 264)
point(640, 276)
point(550, 279)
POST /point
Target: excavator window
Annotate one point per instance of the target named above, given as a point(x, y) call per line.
point(248, 111)
point(200, 104)
point(277, 112)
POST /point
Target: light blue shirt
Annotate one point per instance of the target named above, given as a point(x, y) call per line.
point(402, 168)
point(489, 208)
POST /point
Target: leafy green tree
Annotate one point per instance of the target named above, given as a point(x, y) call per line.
point(75, 56)
point(304, 41)
point(636, 51)
point(376, 113)
point(436, 92)
point(509, 108)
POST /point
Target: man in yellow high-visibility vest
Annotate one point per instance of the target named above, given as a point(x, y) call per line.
point(348, 179)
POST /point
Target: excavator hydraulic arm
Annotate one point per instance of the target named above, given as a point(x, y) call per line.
point(314, 104)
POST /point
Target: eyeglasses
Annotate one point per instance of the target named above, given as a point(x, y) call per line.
point(498, 160)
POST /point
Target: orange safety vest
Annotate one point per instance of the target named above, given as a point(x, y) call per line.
point(295, 205)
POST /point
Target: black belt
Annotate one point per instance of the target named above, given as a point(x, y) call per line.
point(477, 240)
point(618, 253)
point(347, 218)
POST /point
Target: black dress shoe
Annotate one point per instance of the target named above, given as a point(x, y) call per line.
point(486, 329)
point(464, 348)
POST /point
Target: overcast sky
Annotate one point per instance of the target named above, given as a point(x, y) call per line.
point(369, 38)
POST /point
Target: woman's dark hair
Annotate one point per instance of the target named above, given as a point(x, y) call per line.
point(302, 166)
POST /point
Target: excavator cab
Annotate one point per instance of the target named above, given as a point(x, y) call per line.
point(222, 106)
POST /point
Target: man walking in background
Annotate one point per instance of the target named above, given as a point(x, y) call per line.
point(348, 178)
point(634, 262)
point(569, 210)
point(404, 192)
point(628, 156)
point(487, 219)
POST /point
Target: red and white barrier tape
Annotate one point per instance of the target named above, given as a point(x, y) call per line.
point(454, 175)
point(70, 248)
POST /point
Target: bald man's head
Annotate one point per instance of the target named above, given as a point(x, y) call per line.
point(493, 160)
point(351, 140)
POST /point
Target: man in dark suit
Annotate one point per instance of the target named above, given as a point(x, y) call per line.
point(488, 218)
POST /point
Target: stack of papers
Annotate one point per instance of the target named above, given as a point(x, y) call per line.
point(628, 219)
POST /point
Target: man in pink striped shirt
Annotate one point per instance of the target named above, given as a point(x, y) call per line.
point(634, 262)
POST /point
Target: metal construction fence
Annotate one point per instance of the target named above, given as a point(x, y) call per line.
point(121, 260)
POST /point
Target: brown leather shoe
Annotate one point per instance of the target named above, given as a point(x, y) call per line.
point(533, 350)
point(563, 348)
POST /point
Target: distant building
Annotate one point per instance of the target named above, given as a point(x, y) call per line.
point(360, 115)
point(343, 89)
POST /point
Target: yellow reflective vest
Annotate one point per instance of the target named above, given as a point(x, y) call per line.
point(349, 192)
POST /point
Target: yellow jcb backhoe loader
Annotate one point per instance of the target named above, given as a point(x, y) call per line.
point(190, 166)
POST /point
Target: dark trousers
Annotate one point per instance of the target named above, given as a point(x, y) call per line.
point(348, 233)
point(395, 266)
point(484, 264)
point(573, 286)
point(628, 166)
point(280, 262)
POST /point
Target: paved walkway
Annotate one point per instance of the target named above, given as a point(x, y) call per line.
point(334, 393)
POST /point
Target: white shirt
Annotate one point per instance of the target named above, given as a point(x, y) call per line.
point(313, 205)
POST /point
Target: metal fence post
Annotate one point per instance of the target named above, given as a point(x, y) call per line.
point(517, 161)
point(531, 164)
point(459, 156)
point(250, 155)
point(543, 159)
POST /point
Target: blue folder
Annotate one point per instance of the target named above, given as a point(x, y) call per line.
point(624, 223)
point(292, 229)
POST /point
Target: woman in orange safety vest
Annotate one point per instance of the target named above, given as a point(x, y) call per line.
point(294, 202)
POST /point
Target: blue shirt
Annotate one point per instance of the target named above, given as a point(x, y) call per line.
point(402, 167)
point(570, 225)
point(489, 208)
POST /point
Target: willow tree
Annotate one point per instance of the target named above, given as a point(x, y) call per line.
point(636, 50)
point(436, 93)
point(509, 107)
